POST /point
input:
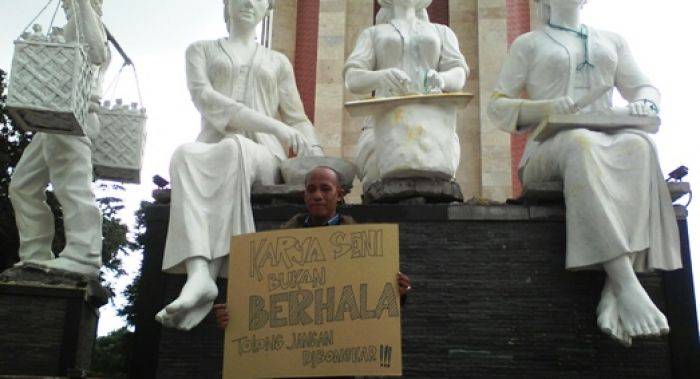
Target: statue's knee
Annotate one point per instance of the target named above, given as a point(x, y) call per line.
point(580, 142)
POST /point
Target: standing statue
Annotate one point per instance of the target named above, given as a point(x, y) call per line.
point(405, 54)
point(618, 210)
point(65, 162)
point(239, 87)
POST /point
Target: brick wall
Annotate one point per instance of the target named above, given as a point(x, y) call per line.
point(305, 53)
point(518, 23)
point(491, 298)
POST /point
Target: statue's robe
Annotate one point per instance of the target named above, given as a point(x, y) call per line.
point(212, 177)
point(617, 202)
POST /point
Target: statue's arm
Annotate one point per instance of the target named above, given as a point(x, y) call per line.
point(361, 75)
point(507, 108)
point(453, 68)
point(93, 33)
point(220, 111)
point(633, 84)
point(291, 109)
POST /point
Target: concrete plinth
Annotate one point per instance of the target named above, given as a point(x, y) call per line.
point(490, 298)
point(413, 190)
point(48, 323)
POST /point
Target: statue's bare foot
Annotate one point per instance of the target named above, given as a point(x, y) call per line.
point(69, 265)
point(609, 317)
point(193, 304)
point(639, 316)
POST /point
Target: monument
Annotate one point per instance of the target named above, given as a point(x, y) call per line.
point(238, 86)
point(619, 213)
point(411, 132)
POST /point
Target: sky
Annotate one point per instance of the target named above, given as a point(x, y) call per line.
point(155, 34)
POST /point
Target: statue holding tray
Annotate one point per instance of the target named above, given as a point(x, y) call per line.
point(65, 162)
point(412, 66)
point(618, 209)
point(239, 87)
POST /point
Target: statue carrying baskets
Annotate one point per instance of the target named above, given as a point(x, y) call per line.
point(55, 89)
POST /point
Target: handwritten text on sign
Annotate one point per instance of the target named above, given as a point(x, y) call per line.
point(314, 302)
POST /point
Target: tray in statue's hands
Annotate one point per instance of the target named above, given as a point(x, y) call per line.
point(368, 107)
point(602, 122)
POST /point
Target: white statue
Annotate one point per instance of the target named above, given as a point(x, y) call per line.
point(405, 54)
point(618, 209)
point(65, 162)
point(238, 86)
point(37, 34)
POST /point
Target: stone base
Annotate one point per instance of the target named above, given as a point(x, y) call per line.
point(48, 322)
point(412, 191)
point(277, 194)
point(490, 298)
point(552, 192)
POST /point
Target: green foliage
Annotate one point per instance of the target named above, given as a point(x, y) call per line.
point(110, 357)
point(129, 311)
point(12, 143)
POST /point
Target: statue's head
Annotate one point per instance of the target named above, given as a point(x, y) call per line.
point(69, 6)
point(544, 7)
point(246, 11)
point(386, 13)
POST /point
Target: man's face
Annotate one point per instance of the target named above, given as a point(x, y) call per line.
point(322, 194)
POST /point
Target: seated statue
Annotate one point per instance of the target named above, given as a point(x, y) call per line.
point(619, 216)
point(239, 87)
point(406, 54)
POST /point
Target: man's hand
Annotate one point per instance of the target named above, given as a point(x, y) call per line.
point(404, 283)
point(221, 315)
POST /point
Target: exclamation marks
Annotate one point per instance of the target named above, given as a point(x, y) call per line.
point(384, 356)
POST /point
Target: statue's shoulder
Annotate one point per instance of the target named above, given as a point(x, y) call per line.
point(527, 41)
point(608, 35)
point(202, 45)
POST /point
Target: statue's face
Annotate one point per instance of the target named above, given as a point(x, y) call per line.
point(248, 12)
point(68, 7)
point(97, 6)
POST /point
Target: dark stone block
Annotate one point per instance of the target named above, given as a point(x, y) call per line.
point(414, 190)
point(491, 298)
point(46, 330)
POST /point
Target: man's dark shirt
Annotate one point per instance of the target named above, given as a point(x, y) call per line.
point(302, 220)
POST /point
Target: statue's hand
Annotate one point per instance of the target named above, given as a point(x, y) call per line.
point(434, 82)
point(293, 139)
point(562, 105)
point(395, 80)
point(641, 108)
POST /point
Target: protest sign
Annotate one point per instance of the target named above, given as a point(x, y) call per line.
point(314, 302)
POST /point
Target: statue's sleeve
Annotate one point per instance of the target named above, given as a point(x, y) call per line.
point(505, 102)
point(363, 55)
point(291, 109)
point(216, 108)
point(450, 55)
point(629, 78)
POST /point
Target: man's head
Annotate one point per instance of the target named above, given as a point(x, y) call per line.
point(322, 193)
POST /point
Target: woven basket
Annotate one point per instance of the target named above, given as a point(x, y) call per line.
point(118, 149)
point(49, 87)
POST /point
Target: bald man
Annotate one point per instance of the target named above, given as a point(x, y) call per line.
point(322, 193)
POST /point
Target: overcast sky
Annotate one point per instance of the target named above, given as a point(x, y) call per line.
point(155, 33)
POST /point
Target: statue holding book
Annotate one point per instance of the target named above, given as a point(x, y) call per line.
point(415, 70)
point(619, 213)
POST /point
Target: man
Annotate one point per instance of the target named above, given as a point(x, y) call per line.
point(322, 193)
